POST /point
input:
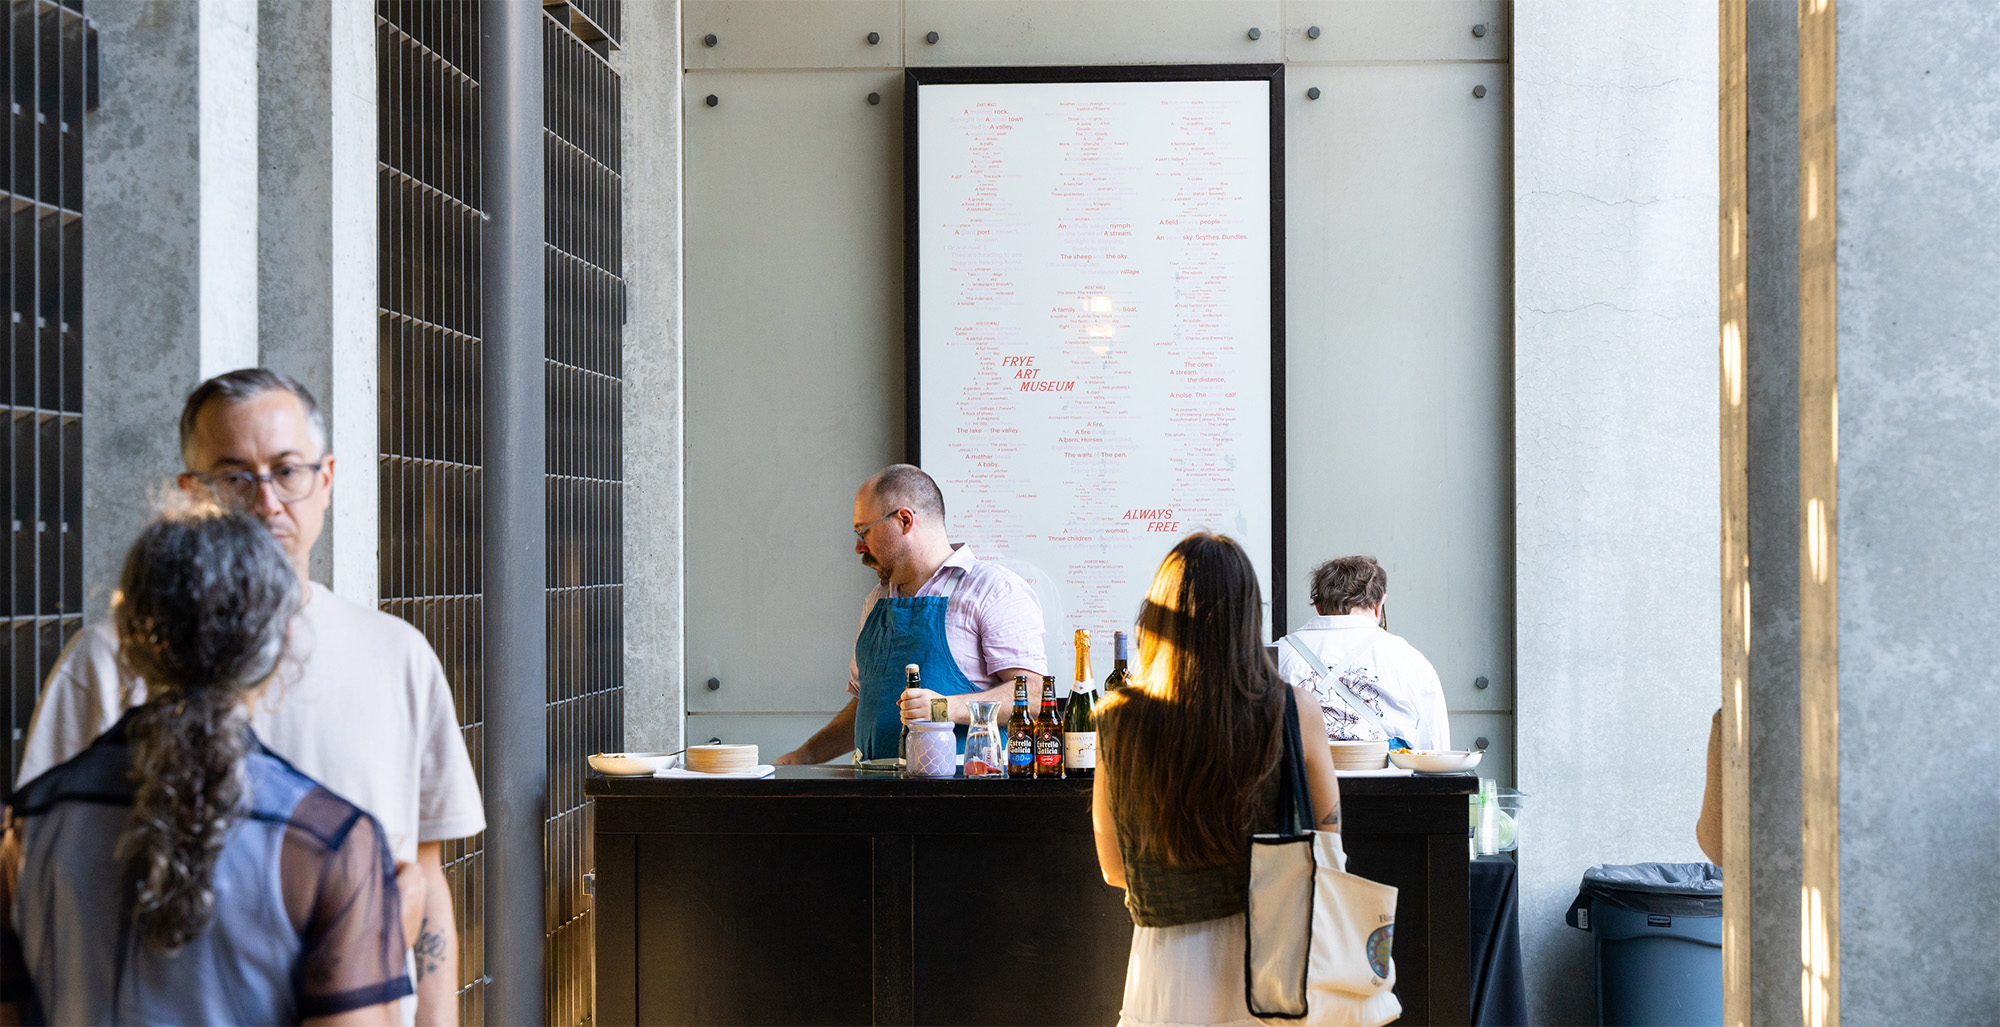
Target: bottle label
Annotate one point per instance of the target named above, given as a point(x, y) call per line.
point(1048, 750)
point(1080, 750)
point(1020, 750)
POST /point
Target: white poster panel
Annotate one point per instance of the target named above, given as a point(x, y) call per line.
point(1095, 330)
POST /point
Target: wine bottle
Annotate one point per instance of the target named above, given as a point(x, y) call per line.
point(1116, 679)
point(911, 675)
point(1048, 735)
point(1080, 720)
point(1020, 733)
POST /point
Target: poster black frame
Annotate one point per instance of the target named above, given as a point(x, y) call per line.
point(1274, 74)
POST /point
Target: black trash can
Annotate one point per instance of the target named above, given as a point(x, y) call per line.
point(1656, 929)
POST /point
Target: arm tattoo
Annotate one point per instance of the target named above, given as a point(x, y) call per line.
point(429, 950)
point(1332, 819)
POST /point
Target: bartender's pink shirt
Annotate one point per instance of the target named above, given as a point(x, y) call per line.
point(992, 623)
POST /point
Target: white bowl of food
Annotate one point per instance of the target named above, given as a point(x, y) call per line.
point(630, 764)
point(1436, 761)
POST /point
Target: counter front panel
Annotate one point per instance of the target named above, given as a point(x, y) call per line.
point(824, 896)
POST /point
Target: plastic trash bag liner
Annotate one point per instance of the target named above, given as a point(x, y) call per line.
point(1673, 889)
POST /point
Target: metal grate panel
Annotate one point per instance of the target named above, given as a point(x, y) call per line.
point(48, 51)
point(585, 312)
point(427, 54)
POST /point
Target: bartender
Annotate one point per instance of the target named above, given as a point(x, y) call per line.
point(971, 626)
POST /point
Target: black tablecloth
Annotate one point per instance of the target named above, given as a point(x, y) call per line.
point(1499, 996)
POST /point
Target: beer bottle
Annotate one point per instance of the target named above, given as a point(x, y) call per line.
point(1080, 720)
point(1116, 679)
point(910, 678)
point(1048, 734)
point(1020, 733)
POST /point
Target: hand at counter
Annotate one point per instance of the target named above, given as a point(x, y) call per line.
point(925, 704)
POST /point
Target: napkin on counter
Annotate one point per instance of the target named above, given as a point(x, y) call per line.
point(681, 772)
point(1389, 771)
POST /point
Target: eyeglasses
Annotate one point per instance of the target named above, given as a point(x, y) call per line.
point(291, 482)
point(861, 533)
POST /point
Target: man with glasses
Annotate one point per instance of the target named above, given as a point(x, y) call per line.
point(970, 625)
point(360, 701)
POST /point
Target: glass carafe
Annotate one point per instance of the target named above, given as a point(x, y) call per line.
point(985, 749)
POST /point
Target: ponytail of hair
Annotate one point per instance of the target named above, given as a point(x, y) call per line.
point(201, 613)
point(188, 752)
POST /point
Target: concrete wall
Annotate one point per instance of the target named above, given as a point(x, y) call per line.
point(142, 245)
point(317, 256)
point(226, 81)
point(654, 498)
point(1616, 451)
point(1772, 348)
point(1919, 501)
point(1398, 343)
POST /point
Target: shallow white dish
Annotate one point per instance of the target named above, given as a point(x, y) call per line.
point(1377, 772)
point(766, 770)
point(1438, 762)
point(629, 764)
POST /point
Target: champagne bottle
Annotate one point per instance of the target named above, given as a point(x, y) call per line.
point(910, 678)
point(1048, 734)
point(1116, 679)
point(1020, 733)
point(1080, 720)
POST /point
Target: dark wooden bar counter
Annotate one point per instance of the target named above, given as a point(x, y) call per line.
point(827, 896)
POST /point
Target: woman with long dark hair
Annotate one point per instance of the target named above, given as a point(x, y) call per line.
point(176, 871)
point(1187, 770)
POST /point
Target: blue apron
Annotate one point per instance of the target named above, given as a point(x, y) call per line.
point(902, 630)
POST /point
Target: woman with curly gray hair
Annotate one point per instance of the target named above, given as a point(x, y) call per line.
point(176, 871)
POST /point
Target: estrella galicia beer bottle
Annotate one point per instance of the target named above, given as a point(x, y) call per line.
point(1020, 733)
point(1048, 734)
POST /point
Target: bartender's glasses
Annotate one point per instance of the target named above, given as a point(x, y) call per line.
point(861, 533)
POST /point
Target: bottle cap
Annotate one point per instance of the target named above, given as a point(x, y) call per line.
point(910, 668)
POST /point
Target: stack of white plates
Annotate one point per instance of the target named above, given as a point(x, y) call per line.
point(722, 759)
point(1360, 755)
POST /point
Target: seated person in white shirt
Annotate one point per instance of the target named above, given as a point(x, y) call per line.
point(1386, 672)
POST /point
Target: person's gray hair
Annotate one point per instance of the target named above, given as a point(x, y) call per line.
point(245, 384)
point(901, 485)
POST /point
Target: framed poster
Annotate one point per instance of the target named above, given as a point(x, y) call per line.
point(1095, 319)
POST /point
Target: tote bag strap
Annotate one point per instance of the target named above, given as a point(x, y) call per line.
point(1294, 804)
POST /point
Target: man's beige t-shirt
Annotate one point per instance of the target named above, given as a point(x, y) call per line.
point(359, 704)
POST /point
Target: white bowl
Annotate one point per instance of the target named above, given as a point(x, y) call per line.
point(1442, 762)
point(629, 764)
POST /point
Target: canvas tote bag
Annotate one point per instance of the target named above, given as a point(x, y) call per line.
point(1317, 938)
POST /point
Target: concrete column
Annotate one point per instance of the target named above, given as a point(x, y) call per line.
point(1917, 102)
point(1617, 524)
point(169, 249)
point(317, 252)
point(227, 116)
point(649, 67)
point(1772, 346)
